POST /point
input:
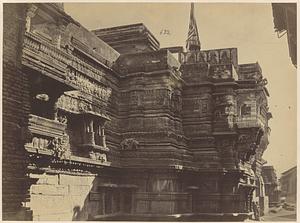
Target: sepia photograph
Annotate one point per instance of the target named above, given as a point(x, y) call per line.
point(149, 111)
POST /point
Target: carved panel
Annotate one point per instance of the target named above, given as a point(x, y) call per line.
point(218, 56)
point(87, 85)
point(156, 98)
point(220, 72)
point(75, 102)
point(70, 69)
point(56, 146)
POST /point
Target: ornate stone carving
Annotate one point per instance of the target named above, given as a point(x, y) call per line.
point(243, 138)
point(59, 146)
point(220, 72)
point(248, 145)
point(218, 56)
point(129, 144)
point(39, 143)
point(98, 156)
point(87, 85)
point(68, 67)
point(75, 102)
point(225, 58)
point(31, 12)
point(62, 119)
point(213, 57)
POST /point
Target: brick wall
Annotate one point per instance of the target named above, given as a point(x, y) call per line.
point(15, 112)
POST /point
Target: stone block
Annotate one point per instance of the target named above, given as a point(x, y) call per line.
point(162, 207)
point(60, 216)
point(76, 180)
point(142, 207)
point(49, 189)
point(79, 189)
point(48, 204)
point(45, 179)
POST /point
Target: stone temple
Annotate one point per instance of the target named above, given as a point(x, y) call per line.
point(106, 125)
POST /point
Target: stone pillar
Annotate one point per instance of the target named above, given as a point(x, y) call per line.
point(103, 140)
point(89, 134)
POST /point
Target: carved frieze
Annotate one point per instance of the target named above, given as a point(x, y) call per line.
point(218, 56)
point(69, 68)
point(56, 146)
point(87, 85)
point(84, 66)
point(78, 103)
point(156, 98)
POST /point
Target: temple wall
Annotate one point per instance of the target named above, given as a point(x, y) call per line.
point(150, 109)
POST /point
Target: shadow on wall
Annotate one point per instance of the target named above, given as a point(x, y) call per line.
point(76, 213)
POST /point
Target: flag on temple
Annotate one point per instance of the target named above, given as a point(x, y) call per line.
point(193, 42)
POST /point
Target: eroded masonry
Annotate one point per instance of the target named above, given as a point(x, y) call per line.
point(105, 124)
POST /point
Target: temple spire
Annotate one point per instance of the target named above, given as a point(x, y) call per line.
point(193, 42)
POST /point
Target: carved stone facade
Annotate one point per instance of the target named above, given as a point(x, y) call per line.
point(272, 187)
point(126, 136)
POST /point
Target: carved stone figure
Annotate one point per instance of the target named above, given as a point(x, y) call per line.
point(243, 139)
point(224, 57)
point(58, 146)
point(213, 57)
point(31, 11)
point(129, 144)
point(62, 119)
point(98, 156)
point(101, 157)
point(250, 152)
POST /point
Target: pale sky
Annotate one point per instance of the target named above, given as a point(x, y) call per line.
point(249, 27)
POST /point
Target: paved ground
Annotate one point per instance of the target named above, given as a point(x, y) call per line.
point(282, 215)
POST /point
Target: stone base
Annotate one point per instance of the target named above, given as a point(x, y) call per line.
point(175, 217)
